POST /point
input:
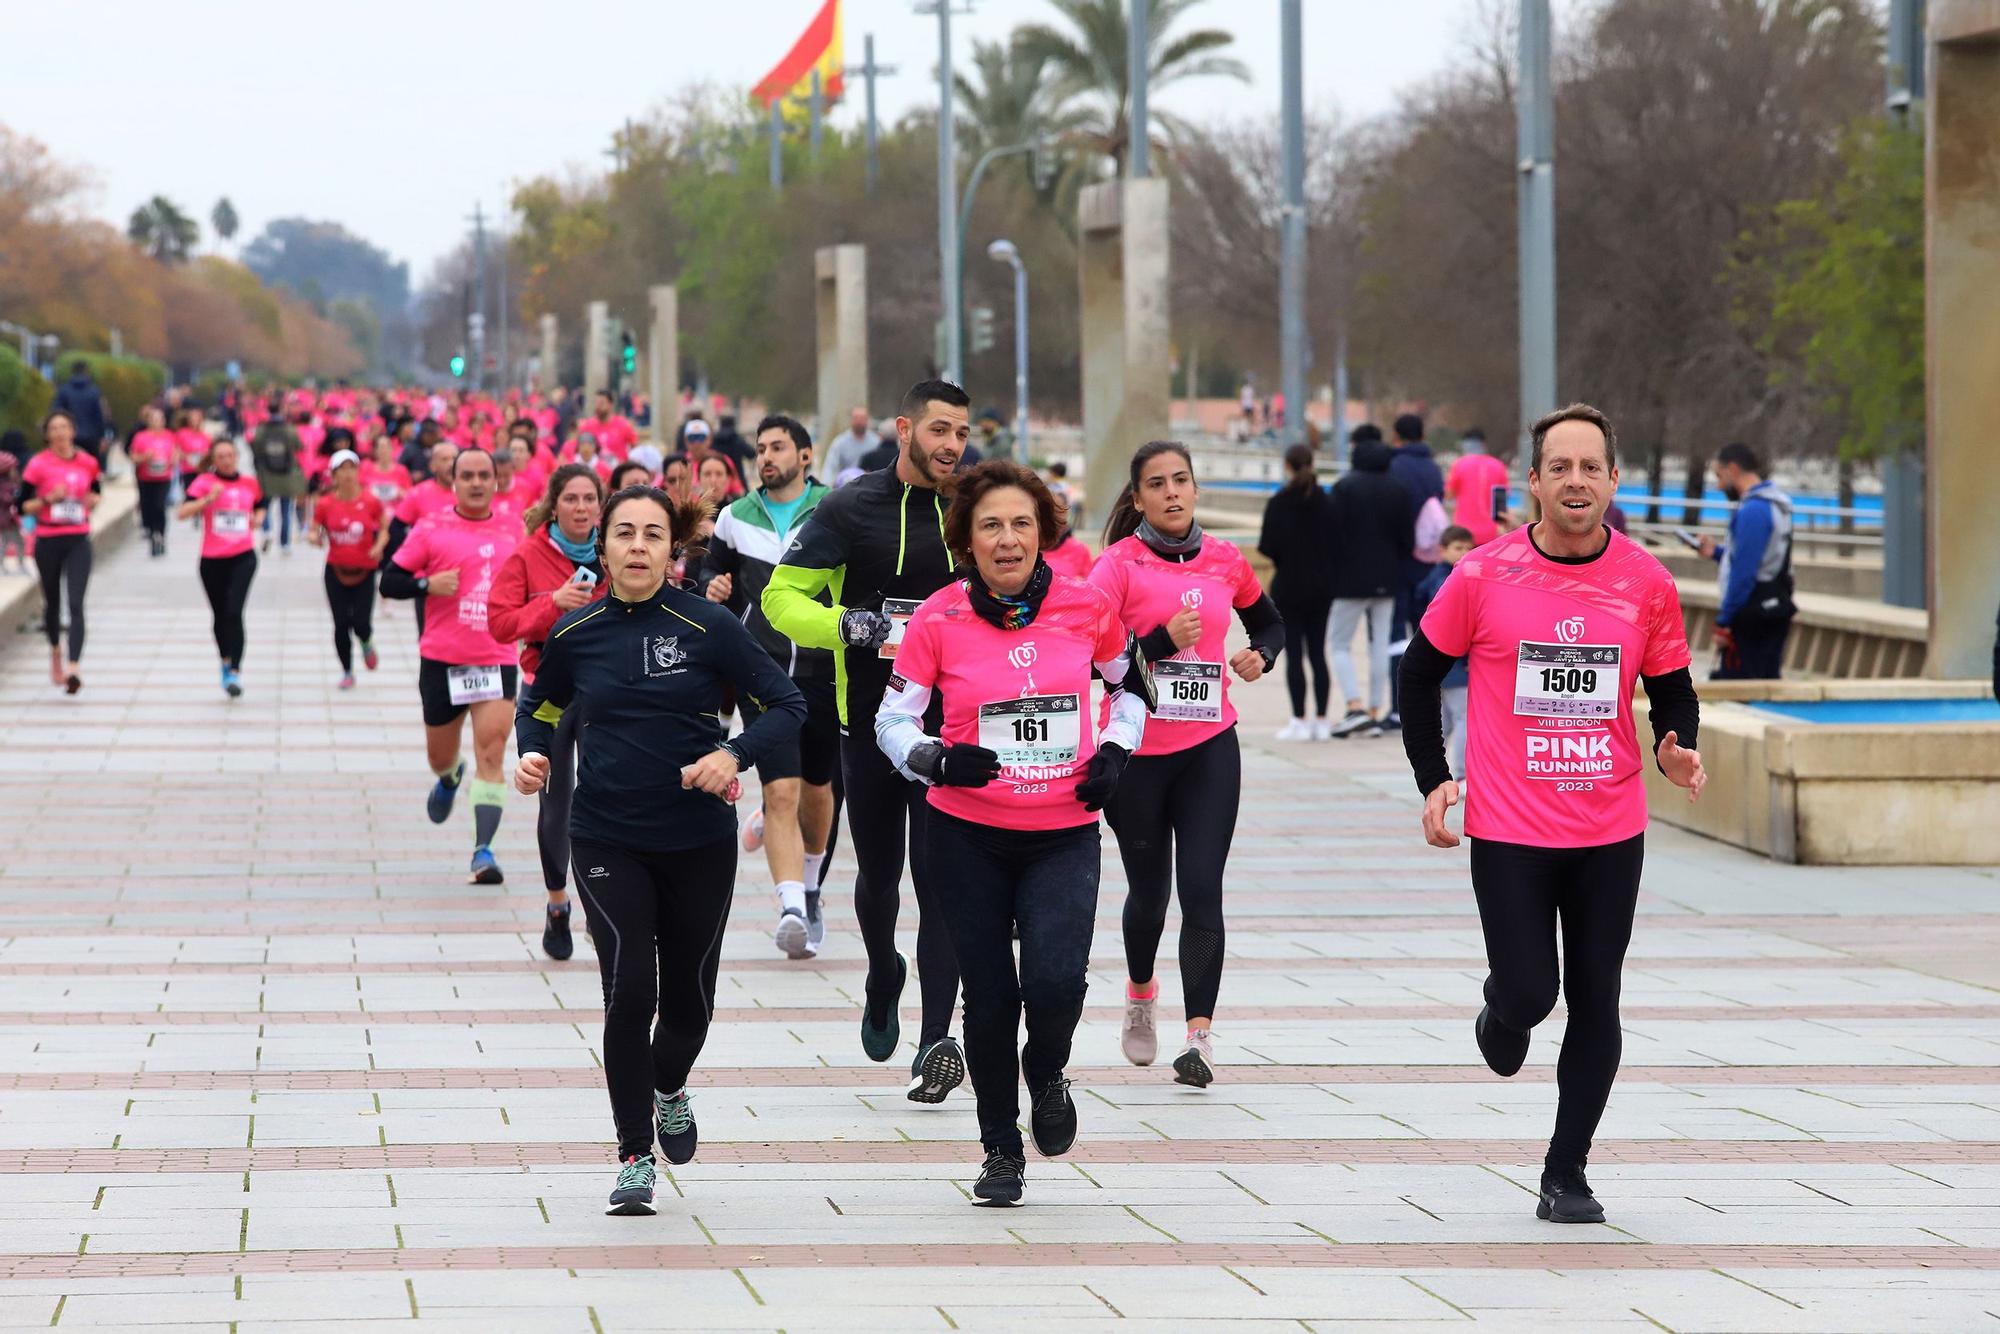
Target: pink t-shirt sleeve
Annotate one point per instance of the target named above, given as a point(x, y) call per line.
point(917, 655)
point(201, 486)
point(1448, 623)
point(1108, 576)
point(406, 508)
point(1666, 634)
point(1111, 635)
point(1248, 589)
point(415, 551)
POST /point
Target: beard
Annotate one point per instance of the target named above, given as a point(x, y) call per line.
point(1734, 493)
point(782, 479)
point(921, 461)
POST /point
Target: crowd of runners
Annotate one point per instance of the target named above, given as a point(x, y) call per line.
point(921, 641)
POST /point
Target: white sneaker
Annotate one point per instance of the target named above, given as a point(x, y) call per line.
point(1137, 1036)
point(1320, 730)
point(791, 934)
point(1295, 730)
point(1196, 1065)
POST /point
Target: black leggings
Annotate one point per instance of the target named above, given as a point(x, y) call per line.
point(1043, 883)
point(226, 580)
point(353, 615)
point(153, 507)
point(658, 918)
point(1522, 891)
point(552, 819)
point(881, 805)
point(1177, 814)
point(59, 560)
point(1305, 640)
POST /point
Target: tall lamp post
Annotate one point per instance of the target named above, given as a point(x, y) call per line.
point(1007, 253)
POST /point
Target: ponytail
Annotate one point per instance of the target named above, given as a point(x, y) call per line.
point(1125, 517)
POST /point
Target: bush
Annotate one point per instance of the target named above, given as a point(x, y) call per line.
point(127, 383)
point(24, 395)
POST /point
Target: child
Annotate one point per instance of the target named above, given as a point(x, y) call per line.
point(1453, 543)
point(10, 513)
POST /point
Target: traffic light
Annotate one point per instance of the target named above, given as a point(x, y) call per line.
point(1042, 162)
point(982, 329)
point(628, 354)
point(458, 365)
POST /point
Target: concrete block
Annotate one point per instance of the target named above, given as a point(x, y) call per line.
point(840, 306)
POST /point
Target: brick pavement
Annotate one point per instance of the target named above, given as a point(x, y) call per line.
point(266, 1059)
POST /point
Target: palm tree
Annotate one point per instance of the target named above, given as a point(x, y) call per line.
point(1007, 101)
point(159, 228)
point(1090, 63)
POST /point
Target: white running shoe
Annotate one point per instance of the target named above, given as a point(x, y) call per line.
point(791, 934)
point(1295, 730)
point(1320, 730)
point(1139, 1039)
point(1195, 1067)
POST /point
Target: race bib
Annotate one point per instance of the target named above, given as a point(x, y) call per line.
point(899, 611)
point(1190, 692)
point(67, 513)
point(1567, 680)
point(231, 523)
point(472, 685)
point(387, 492)
point(1036, 730)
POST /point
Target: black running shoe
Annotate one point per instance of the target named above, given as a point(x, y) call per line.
point(938, 1069)
point(1503, 1048)
point(1052, 1118)
point(1000, 1180)
point(881, 1026)
point(674, 1120)
point(556, 941)
point(1566, 1198)
point(633, 1195)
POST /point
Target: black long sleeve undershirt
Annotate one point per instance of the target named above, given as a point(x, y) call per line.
point(398, 582)
point(1672, 707)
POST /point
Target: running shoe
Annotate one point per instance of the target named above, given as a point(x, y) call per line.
point(556, 940)
point(438, 804)
point(1320, 731)
point(1503, 1048)
point(793, 934)
point(753, 831)
point(1295, 730)
point(346, 681)
point(1137, 1036)
point(673, 1117)
point(232, 682)
point(1000, 1179)
point(938, 1069)
point(881, 1026)
point(815, 924)
point(1374, 731)
point(369, 657)
point(1392, 722)
point(1566, 1198)
point(1355, 720)
point(485, 870)
point(633, 1195)
point(72, 683)
point(1195, 1067)
point(1052, 1118)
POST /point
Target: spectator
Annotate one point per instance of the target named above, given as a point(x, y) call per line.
point(1294, 537)
point(1477, 489)
point(883, 455)
point(84, 402)
point(1755, 614)
point(275, 450)
point(850, 446)
point(1372, 527)
point(994, 439)
point(1456, 688)
point(742, 455)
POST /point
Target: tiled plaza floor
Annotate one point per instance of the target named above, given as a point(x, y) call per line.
point(267, 1061)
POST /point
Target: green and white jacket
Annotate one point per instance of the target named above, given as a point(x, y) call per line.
point(747, 546)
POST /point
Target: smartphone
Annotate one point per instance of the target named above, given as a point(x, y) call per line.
point(1499, 503)
point(584, 575)
point(1688, 538)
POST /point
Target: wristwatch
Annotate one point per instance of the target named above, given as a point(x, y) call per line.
point(734, 754)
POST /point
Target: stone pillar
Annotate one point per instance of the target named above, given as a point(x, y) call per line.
point(1962, 335)
point(1122, 274)
point(551, 366)
point(596, 354)
point(663, 360)
point(841, 308)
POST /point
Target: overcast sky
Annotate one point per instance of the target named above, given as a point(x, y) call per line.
point(394, 116)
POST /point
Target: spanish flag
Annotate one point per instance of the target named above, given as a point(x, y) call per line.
point(818, 49)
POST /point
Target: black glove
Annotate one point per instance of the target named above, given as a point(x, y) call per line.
point(864, 629)
point(1100, 780)
point(954, 766)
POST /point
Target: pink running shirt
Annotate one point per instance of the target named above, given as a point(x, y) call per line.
point(420, 502)
point(388, 485)
point(69, 515)
point(1023, 689)
point(194, 447)
point(455, 630)
point(153, 454)
point(227, 526)
point(1470, 487)
point(1149, 590)
point(1554, 652)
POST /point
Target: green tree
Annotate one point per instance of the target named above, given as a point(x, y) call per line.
point(1089, 63)
point(1835, 292)
point(159, 228)
point(224, 218)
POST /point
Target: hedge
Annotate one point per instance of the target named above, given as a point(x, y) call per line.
point(24, 395)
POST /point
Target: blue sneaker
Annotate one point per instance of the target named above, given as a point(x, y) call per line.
point(634, 1193)
point(438, 804)
point(232, 682)
point(881, 1026)
point(485, 870)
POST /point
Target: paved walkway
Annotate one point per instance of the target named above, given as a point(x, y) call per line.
point(266, 1059)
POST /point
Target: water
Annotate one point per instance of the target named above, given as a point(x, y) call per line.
point(1900, 711)
point(1714, 512)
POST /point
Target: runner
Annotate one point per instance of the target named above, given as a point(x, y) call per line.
point(1558, 621)
point(511, 499)
point(449, 560)
point(60, 487)
point(1015, 776)
point(798, 813)
point(1175, 813)
point(230, 506)
point(435, 494)
point(353, 526)
point(192, 436)
point(554, 571)
point(152, 449)
point(877, 545)
point(381, 476)
point(653, 831)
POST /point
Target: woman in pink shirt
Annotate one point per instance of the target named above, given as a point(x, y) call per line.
point(1175, 814)
point(381, 476)
point(193, 437)
point(1017, 773)
point(152, 450)
point(230, 505)
point(59, 488)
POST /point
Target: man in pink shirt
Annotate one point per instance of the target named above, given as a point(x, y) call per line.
point(1558, 622)
point(1477, 489)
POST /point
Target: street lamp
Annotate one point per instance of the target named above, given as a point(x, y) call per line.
point(1008, 253)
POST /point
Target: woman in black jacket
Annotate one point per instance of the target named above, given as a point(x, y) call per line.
point(1373, 533)
point(1294, 538)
